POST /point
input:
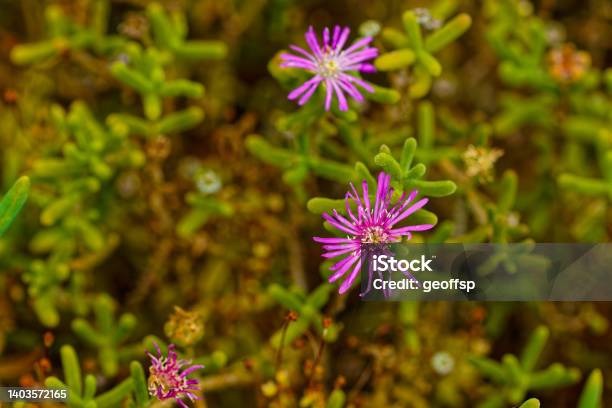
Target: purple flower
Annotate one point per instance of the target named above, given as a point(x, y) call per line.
point(371, 224)
point(332, 66)
point(167, 381)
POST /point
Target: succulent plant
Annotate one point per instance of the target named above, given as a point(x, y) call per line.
point(187, 165)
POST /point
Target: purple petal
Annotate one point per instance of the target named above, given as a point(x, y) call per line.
point(366, 195)
point(313, 42)
point(342, 104)
point(304, 87)
point(353, 61)
point(351, 90)
point(328, 94)
point(349, 210)
point(416, 206)
point(342, 271)
point(355, 196)
point(367, 68)
point(192, 396)
point(358, 81)
point(381, 193)
point(358, 44)
point(335, 36)
point(331, 247)
point(325, 38)
point(332, 240)
point(308, 94)
point(344, 221)
point(302, 51)
point(342, 39)
point(293, 61)
point(337, 253)
point(421, 227)
point(399, 206)
point(343, 262)
point(290, 57)
point(351, 278)
point(350, 230)
point(370, 278)
point(191, 370)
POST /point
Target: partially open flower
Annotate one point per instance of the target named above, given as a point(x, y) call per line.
point(332, 66)
point(425, 19)
point(480, 162)
point(184, 327)
point(166, 380)
point(566, 64)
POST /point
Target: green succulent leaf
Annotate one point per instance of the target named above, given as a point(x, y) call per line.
point(12, 202)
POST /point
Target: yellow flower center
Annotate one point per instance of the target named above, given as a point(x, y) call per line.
point(328, 66)
point(374, 235)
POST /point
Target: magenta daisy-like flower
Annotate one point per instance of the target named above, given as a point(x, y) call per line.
point(372, 223)
point(166, 380)
point(332, 66)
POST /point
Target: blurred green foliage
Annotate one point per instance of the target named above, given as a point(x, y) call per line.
point(164, 168)
point(11, 203)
